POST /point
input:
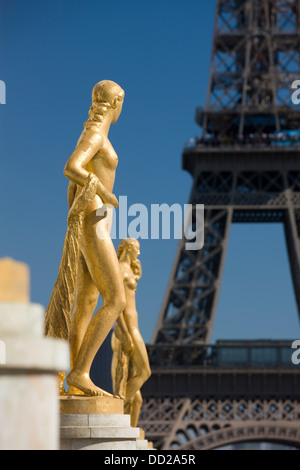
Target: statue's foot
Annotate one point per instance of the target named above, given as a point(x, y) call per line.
point(119, 397)
point(74, 391)
point(84, 383)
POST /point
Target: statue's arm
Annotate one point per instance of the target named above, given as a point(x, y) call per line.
point(127, 343)
point(82, 155)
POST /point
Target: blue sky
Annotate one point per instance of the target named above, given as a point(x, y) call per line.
point(52, 53)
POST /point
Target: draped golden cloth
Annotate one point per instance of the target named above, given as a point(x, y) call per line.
point(58, 313)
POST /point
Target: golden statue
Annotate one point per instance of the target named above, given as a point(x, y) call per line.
point(130, 370)
point(89, 263)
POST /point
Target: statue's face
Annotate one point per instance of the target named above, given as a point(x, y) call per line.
point(118, 111)
point(135, 251)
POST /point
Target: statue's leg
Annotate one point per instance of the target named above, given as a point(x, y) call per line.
point(141, 363)
point(103, 266)
point(133, 406)
point(119, 367)
point(85, 303)
point(135, 409)
point(115, 345)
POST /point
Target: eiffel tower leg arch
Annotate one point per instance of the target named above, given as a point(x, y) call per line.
point(207, 436)
point(190, 303)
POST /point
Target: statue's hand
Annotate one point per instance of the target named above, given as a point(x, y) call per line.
point(127, 345)
point(109, 198)
point(106, 196)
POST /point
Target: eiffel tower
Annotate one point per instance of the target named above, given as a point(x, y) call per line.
point(245, 168)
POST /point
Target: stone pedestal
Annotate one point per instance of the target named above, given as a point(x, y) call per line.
point(142, 443)
point(97, 432)
point(29, 363)
point(14, 281)
point(95, 423)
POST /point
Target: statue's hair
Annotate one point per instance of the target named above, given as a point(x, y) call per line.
point(124, 244)
point(105, 95)
point(97, 113)
point(136, 267)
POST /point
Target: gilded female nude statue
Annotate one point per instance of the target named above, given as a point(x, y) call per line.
point(130, 370)
point(89, 264)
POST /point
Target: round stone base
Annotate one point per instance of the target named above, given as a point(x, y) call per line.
point(99, 432)
point(83, 404)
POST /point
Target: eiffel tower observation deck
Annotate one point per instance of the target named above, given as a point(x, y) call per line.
point(245, 168)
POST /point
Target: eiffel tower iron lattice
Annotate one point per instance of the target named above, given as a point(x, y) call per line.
point(245, 168)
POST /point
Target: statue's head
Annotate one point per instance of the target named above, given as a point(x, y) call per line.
point(110, 94)
point(107, 96)
point(130, 246)
point(108, 91)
